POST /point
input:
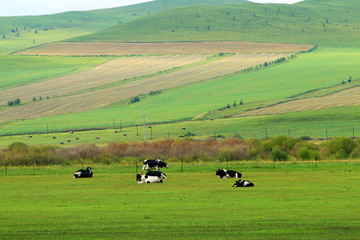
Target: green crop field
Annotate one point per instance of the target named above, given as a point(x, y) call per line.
point(335, 122)
point(291, 201)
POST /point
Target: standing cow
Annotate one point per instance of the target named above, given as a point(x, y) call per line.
point(223, 173)
point(153, 163)
point(243, 183)
point(148, 179)
point(81, 173)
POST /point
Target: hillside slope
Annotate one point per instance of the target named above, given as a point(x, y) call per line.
point(97, 19)
point(28, 31)
point(329, 23)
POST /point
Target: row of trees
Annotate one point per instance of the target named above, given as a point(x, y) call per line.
point(14, 102)
point(279, 148)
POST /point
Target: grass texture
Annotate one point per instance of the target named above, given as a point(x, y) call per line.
point(292, 201)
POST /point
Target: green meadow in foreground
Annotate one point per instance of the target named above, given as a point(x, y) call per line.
point(291, 201)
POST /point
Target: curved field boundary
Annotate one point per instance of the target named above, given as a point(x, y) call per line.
point(112, 71)
point(348, 97)
point(119, 49)
point(104, 97)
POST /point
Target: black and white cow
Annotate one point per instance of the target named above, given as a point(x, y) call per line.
point(81, 173)
point(156, 174)
point(243, 183)
point(153, 163)
point(223, 173)
point(148, 179)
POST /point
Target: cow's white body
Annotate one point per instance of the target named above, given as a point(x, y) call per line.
point(148, 179)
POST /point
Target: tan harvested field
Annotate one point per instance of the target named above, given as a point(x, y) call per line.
point(112, 71)
point(120, 49)
point(348, 97)
point(104, 97)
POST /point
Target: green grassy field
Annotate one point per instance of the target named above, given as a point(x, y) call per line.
point(292, 201)
point(333, 23)
point(336, 122)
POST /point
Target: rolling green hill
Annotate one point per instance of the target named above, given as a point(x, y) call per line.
point(27, 31)
point(320, 22)
point(328, 23)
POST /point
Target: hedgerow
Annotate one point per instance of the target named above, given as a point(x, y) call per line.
point(279, 148)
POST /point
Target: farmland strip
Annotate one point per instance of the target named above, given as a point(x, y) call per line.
point(104, 97)
point(112, 71)
point(120, 49)
point(348, 97)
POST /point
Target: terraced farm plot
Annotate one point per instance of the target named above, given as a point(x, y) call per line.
point(348, 97)
point(112, 71)
point(104, 97)
point(93, 48)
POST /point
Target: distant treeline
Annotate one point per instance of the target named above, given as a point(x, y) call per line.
point(279, 148)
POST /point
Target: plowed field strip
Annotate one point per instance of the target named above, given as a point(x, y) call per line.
point(348, 97)
point(112, 71)
point(104, 97)
point(91, 48)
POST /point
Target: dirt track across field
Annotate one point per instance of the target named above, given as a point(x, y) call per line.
point(122, 49)
point(348, 97)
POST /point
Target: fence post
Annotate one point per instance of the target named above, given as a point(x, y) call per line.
point(266, 134)
point(327, 138)
point(136, 167)
point(353, 132)
point(34, 168)
point(5, 169)
point(182, 163)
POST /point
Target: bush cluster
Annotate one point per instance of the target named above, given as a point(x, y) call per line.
point(279, 148)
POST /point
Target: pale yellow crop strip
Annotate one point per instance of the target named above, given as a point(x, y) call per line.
point(348, 97)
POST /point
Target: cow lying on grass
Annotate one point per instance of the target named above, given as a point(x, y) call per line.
point(223, 173)
point(243, 183)
point(153, 163)
point(81, 173)
point(156, 174)
point(148, 179)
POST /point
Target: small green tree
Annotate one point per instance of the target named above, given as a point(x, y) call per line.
point(279, 155)
point(303, 153)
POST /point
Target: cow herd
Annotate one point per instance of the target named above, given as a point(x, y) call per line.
point(158, 176)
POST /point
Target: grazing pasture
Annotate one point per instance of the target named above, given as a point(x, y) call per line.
point(116, 70)
point(103, 48)
point(104, 97)
point(291, 201)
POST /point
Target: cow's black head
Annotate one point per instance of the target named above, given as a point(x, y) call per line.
point(220, 172)
point(89, 169)
point(138, 177)
point(164, 164)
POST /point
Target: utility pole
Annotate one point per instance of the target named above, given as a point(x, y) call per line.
point(144, 124)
